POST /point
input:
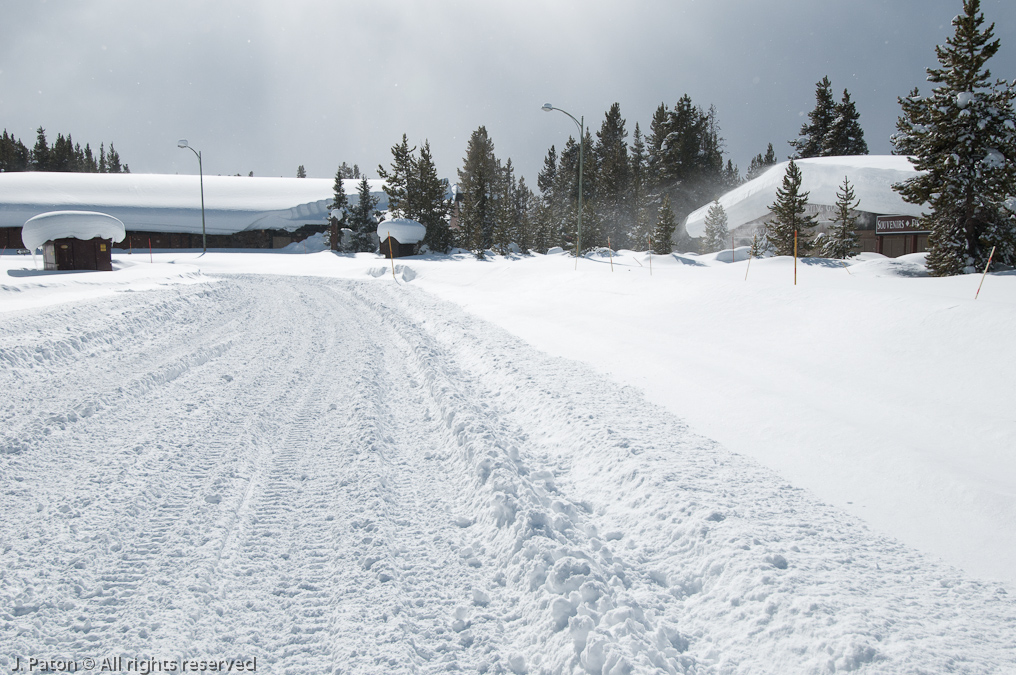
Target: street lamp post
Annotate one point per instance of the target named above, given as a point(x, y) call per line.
point(182, 143)
point(582, 137)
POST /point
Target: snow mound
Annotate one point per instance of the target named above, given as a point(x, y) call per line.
point(404, 231)
point(911, 265)
point(78, 224)
point(312, 244)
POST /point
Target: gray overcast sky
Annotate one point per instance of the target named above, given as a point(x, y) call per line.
point(265, 86)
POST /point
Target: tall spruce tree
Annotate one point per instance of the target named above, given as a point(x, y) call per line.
point(429, 203)
point(546, 214)
point(363, 219)
point(613, 176)
point(811, 141)
point(14, 155)
point(663, 233)
point(841, 240)
point(789, 216)
point(962, 139)
point(397, 181)
point(478, 182)
point(522, 210)
point(641, 220)
point(113, 164)
point(761, 163)
point(717, 235)
point(504, 210)
point(301, 172)
point(40, 153)
point(340, 204)
point(845, 135)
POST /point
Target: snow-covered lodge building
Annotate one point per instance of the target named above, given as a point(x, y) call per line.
point(886, 224)
point(240, 211)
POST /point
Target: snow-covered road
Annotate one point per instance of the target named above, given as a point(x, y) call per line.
point(354, 477)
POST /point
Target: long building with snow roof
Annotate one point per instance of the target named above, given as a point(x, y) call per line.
point(240, 211)
point(886, 223)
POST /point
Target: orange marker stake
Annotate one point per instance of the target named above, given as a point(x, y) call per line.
point(990, 256)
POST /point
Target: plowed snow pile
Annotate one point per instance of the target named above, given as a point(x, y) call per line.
point(334, 471)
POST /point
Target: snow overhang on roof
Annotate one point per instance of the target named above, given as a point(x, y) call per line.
point(83, 225)
point(403, 230)
point(172, 203)
point(872, 177)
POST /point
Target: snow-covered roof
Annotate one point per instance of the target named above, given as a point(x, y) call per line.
point(403, 230)
point(872, 177)
point(77, 224)
point(172, 203)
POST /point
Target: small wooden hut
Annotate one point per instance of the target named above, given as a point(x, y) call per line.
point(74, 240)
point(400, 237)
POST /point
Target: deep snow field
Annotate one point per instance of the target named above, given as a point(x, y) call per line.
point(628, 465)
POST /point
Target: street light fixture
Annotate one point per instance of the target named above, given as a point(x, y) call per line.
point(182, 143)
point(547, 107)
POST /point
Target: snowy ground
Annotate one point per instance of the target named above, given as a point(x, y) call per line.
point(301, 459)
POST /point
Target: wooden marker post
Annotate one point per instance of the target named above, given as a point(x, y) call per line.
point(610, 254)
point(391, 255)
point(151, 258)
point(795, 257)
point(990, 256)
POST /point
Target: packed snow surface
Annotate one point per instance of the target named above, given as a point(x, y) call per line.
point(508, 466)
point(77, 224)
point(172, 203)
point(871, 176)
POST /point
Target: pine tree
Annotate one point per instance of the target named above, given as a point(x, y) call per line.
point(613, 176)
point(40, 153)
point(14, 155)
point(811, 142)
point(478, 181)
point(566, 192)
point(545, 215)
point(788, 216)
point(397, 181)
point(641, 219)
point(301, 172)
point(363, 219)
point(845, 135)
point(349, 171)
point(962, 138)
point(717, 235)
point(340, 203)
point(760, 244)
point(522, 209)
point(504, 217)
point(113, 161)
point(429, 204)
point(731, 176)
point(665, 226)
point(841, 241)
point(760, 163)
point(655, 139)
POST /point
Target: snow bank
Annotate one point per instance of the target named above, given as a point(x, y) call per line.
point(872, 177)
point(404, 230)
point(78, 224)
